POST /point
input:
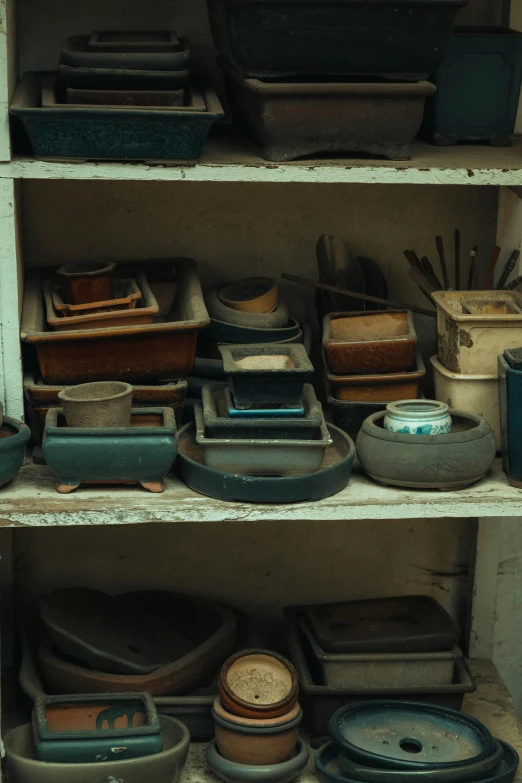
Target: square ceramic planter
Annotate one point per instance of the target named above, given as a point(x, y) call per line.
point(135, 41)
point(476, 394)
point(347, 414)
point(369, 342)
point(469, 342)
point(146, 353)
point(82, 729)
point(66, 132)
point(271, 38)
point(322, 701)
point(126, 295)
point(382, 670)
point(140, 454)
point(261, 457)
point(219, 424)
point(262, 411)
point(478, 87)
point(266, 374)
point(290, 120)
point(382, 387)
point(145, 311)
point(78, 52)
point(148, 98)
point(510, 397)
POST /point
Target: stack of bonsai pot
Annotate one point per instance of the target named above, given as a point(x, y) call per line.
point(345, 77)
point(14, 436)
point(473, 328)
point(370, 358)
point(263, 436)
point(118, 96)
point(105, 322)
point(414, 741)
point(257, 718)
point(510, 399)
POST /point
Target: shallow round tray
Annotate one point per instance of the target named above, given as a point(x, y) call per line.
point(275, 319)
point(332, 477)
point(221, 332)
point(408, 735)
point(231, 772)
point(329, 771)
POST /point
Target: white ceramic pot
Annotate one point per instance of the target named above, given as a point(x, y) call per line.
point(418, 417)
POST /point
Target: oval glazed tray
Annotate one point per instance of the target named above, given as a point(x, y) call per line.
point(332, 477)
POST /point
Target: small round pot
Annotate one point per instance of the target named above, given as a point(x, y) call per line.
point(100, 404)
point(252, 295)
point(276, 319)
point(13, 440)
point(418, 417)
point(258, 683)
point(259, 722)
point(84, 283)
point(427, 461)
point(164, 767)
point(231, 772)
point(257, 743)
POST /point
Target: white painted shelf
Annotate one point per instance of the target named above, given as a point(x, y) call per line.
point(230, 158)
point(31, 500)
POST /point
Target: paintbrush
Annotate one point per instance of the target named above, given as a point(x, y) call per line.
point(510, 265)
point(457, 259)
point(471, 273)
point(490, 277)
point(442, 259)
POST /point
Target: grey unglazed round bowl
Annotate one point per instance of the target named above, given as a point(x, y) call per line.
point(231, 772)
point(427, 461)
point(164, 767)
point(13, 440)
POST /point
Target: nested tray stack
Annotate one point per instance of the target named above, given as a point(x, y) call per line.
point(474, 328)
point(510, 400)
point(370, 358)
point(313, 77)
point(118, 96)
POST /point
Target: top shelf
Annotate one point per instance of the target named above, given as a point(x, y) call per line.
point(232, 159)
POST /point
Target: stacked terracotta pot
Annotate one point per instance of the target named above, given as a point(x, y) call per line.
point(257, 714)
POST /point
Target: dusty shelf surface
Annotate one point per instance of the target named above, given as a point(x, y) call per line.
point(231, 158)
point(31, 500)
point(491, 703)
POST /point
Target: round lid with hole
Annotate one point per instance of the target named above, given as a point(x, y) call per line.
point(409, 735)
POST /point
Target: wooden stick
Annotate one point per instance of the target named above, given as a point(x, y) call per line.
point(510, 265)
point(471, 273)
point(490, 277)
point(356, 295)
point(514, 284)
point(457, 259)
point(429, 274)
point(422, 282)
point(442, 259)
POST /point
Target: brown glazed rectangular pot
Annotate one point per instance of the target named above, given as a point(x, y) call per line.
point(148, 353)
point(380, 387)
point(369, 342)
point(289, 120)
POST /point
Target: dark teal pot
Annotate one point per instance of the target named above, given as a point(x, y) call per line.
point(140, 454)
point(13, 440)
point(510, 399)
point(478, 87)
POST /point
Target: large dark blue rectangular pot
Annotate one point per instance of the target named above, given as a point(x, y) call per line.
point(510, 398)
point(478, 87)
point(136, 454)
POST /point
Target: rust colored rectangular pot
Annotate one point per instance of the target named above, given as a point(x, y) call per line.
point(369, 342)
point(290, 120)
point(146, 353)
point(383, 387)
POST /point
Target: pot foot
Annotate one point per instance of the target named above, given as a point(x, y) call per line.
point(153, 486)
point(64, 489)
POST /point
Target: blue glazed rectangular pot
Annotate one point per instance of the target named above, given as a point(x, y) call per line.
point(80, 729)
point(510, 399)
point(141, 454)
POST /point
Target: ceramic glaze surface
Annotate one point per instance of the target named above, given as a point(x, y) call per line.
point(418, 417)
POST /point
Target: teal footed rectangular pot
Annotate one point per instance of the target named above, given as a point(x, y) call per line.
point(80, 729)
point(478, 87)
point(510, 399)
point(140, 454)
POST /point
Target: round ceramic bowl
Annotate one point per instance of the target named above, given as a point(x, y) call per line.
point(223, 332)
point(252, 295)
point(164, 767)
point(275, 319)
point(328, 769)
point(13, 440)
point(100, 404)
point(418, 417)
point(256, 742)
point(231, 772)
point(427, 461)
point(258, 683)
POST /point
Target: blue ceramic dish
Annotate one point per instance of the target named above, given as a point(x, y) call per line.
point(13, 440)
point(261, 412)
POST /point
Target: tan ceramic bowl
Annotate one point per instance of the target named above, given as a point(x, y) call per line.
point(258, 684)
point(252, 295)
